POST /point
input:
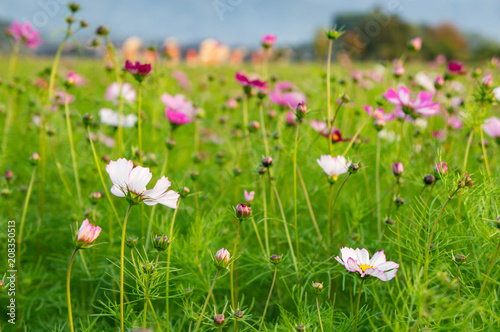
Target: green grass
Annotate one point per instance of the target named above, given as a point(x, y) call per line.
point(204, 223)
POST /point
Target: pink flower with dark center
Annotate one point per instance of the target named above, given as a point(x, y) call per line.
point(25, 34)
point(335, 135)
point(491, 127)
point(423, 105)
point(73, 78)
point(268, 41)
point(138, 70)
point(358, 261)
point(455, 68)
point(378, 114)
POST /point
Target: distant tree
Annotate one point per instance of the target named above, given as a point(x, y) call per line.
point(445, 39)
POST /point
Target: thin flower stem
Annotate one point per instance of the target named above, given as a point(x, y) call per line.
point(335, 200)
point(206, 302)
point(295, 189)
point(486, 163)
point(401, 136)
point(294, 259)
point(330, 212)
point(355, 136)
point(466, 157)
point(377, 187)
point(105, 188)
point(145, 316)
point(245, 116)
point(68, 290)
point(329, 110)
point(263, 128)
point(10, 111)
point(168, 262)
point(139, 122)
point(489, 271)
point(357, 305)
point(268, 297)
point(233, 300)
point(264, 203)
point(319, 314)
point(122, 265)
point(23, 215)
point(258, 236)
point(458, 290)
point(73, 153)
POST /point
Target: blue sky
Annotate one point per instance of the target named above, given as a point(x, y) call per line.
point(242, 22)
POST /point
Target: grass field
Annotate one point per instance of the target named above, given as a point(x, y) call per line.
point(296, 212)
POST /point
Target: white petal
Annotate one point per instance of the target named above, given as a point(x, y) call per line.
point(138, 179)
point(119, 171)
point(378, 258)
point(115, 190)
point(169, 199)
point(387, 266)
point(352, 266)
point(363, 255)
point(159, 189)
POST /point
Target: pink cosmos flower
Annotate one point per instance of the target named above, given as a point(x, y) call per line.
point(456, 68)
point(178, 103)
point(231, 103)
point(61, 97)
point(378, 114)
point(455, 122)
point(75, 79)
point(182, 79)
point(130, 182)
point(487, 81)
point(290, 119)
point(249, 196)
point(138, 70)
point(25, 34)
point(319, 126)
point(358, 261)
point(268, 41)
point(441, 168)
point(491, 127)
point(335, 135)
point(246, 82)
point(284, 94)
point(398, 71)
point(415, 44)
point(423, 105)
point(113, 92)
point(177, 118)
point(87, 233)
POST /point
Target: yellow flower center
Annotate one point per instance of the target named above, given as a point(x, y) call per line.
point(364, 267)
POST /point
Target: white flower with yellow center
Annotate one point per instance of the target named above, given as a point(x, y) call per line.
point(333, 166)
point(358, 261)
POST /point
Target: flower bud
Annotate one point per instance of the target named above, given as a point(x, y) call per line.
point(301, 110)
point(345, 98)
point(8, 175)
point(222, 259)
point(102, 31)
point(34, 159)
point(468, 180)
point(275, 259)
point(389, 221)
point(131, 242)
point(184, 191)
point(170, 143)
point(87, 234)
point(161, 243)
point(219, 320)
point(261, 170)
point(267, 161)
point(148, 268)
point(272, 114)
point(487, 81)
point(441, 168)
point(194, 175)
point(73, 7)
point(415, 44)
point(397, 169)
point(353, 168)
point(70, 19)
point(379, 124)
point(83, 24)
point(237, 171)
point(94, 197)
point(238, 314)
point(429, 179)
point(438, 82)
point(318, 287)
point(300, 328)
point(88, 119)
point(6, 192)
point(334, 33)
point(253, 126)
point(398, 71)
point(399, 201)
point(105, 159)
point(243, 211)
point(460, 259)
point(2, 286)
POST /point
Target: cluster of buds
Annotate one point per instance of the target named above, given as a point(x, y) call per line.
point(242, 211)
point(161, 243)
point(222, 258)
point(466, 181)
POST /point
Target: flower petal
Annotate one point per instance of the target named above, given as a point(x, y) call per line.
point(138, 179)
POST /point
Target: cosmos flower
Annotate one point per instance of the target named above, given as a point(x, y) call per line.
point(455, 68)
point(231, 103)
point(290, 119)
point(423, 105)
point(113, 119)
point(378, 114)
point(177, 118)
point(491, 127)
point(285, 94)
point(182, 79)
point(113, 92)
point(73, 78)
point(130, 182)
point(268, 41)
point(24, 33)
point(138, 70)
point(415, 44)
point(496, 93)
point(249, 196)
point(61, 97)
point(335, 135)
point(333, 166)
point(358, 261)
point(178, 103)
point(87, 233)
point(319, 126)
point(246, 82)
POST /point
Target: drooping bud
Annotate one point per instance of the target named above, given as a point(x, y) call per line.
point(243, 211)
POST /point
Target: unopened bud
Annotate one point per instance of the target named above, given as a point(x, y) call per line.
point(35, 159)
point(194, 175)
point(318, 287)
point(429, 179)
point(399, 201)
point(238, 314)
point(253, 126)
point(184, 191)
point(8, 175)
point(275, 259)
point(262, 170)
point(460, 259)
point(170, 143)
point(243, 211)
point(161, 243)
point(267, 161)
point(300, 328)
point(237, 171)
point(131, 242)
point(74, 7)
point(94, 197)
point(102, 31)
point(88, 119)
point(219, 320)
point(301, 110)
point(353, 168)
point(389, 221)
point(148, 268)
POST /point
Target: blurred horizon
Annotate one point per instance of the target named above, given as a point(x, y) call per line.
point(242, 22)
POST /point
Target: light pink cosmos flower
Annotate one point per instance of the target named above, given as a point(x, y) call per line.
point(487, 81)
point(179, 111)
point(415, 44)
point(319, 126)
point(24, 33)
point(249, 196)
point(268, 41)
point(130, 182)
point(127, 92)
point(182, 79)
point(87, 233)
point(290, 119)
point(333, 166)
point(423, 105)
point(231, 103)
point(491, 127)
point(378, 114)
point(284, 94)
point(74, 79)
point(455, 122)
point(358, 261)
point(61, 97)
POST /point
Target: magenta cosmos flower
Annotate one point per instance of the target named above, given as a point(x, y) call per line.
point(358, 261)
point(423, 105)
point(24, 33)
point(491, 127)
point(87, 233)
point(455, 68)
point(127, 92)
point(130, 182)
point(177, 118)
point(138, 70)
point(247, 82)
point(378, 114)
point(285, 94)
point(75, 79)
point(268, 41)
point(179, 111)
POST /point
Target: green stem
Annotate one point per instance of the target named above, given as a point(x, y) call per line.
point(489, 271)
point(401, 136)
point(233, 301)
point(122, 265)
point(206, 302)
point(73, 153)
point(263, 128)
point(145, 316)
point(487, 164)
point(168, 263)
point(329, 110)
point(68, 290)
point(139, 122)
point(357, 305)
point(295, 189)
point(53, 72)
point(23, 215)
point(466, 157)
point(10, 109)
point(268, 297)
point(377, 188)
point(264, 202)
point(319, 314)
point(258, 236)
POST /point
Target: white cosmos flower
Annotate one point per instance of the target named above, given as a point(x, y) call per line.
point(496, 92)
point(358, 261)
point(112, 118)
point(333, 166)
point(131, 182)
point(127, 92)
